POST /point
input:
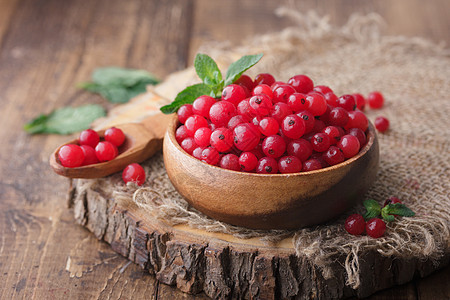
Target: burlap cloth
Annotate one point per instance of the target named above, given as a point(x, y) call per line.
point(414, 76)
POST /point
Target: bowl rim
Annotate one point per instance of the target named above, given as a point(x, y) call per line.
point(371, 137)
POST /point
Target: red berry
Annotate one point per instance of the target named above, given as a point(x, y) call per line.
point(311, 165)
point(273, 146)
point(234, 93)
point(360, 101)
point(349, 145)
point(360, 135)
point(263, 89)
point(134, 173)
point(300, 148)
point(210, 156)
point(236, 120)
point(309, 119)
point(323, 89)
point(381, 124)
point(248, 161)
point(89, 137)
point(195, 122)
point(202, 136)
point(355, 224)
point(317, 104)
point(319, 125)
point(71, 156)
point(184, 112)
point(282, 93)
point(115, 136)
point(267, 165)
point(264, 78)
point(268, 126)
point(261, 104)
point(222, 139)
point(320, 142)
point(246, 136)
point(338, 117)
point(279, 111)
point(197, 153)
point(181, 134)
point(89, 155)
point(297, 102)
point(333, 133)
point(188, 144)
point(221, 112)
point(230, 162)
point(277, 84)
point(202, 105)
point(392, 200)
point(244, 109)
point(347, 102)
point(375, 227)
point(289, 164)
point(105, 151)
point(333, 156)
point(301, 83)
point(331, 99)
point(357, 119)
point(246, 82)
point(293, 126)
point(376, 100)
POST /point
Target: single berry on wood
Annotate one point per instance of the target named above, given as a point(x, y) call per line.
point(134, 173)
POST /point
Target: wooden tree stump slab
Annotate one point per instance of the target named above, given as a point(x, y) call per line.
point(226, 267)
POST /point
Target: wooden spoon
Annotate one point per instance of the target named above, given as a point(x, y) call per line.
point(142, 141)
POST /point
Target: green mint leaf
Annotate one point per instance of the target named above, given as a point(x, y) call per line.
point(373, 209)
point(66, 120)
point(122, 76)
point(118, 85)
point(188, 95)
point(237, 68)
point(398, 209)
point(207, 70)
point(387, 217)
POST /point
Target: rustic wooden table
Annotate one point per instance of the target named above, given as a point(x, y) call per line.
point(46, 46)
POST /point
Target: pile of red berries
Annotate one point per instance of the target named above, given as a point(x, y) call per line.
point(91, 149)
point(268, 126)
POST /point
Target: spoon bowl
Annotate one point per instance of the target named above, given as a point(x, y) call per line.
point(271, 201)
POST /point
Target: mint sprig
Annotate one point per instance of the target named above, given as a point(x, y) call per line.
point(373, 209)
point(66, 120)
point(213, 83)
point(118, 85)
point(388, 212)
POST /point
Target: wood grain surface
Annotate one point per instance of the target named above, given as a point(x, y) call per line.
point(47, 46)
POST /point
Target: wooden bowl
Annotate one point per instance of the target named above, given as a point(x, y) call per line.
point(263, 201)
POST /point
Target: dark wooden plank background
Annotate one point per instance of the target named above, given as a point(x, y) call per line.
point(48, 46)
